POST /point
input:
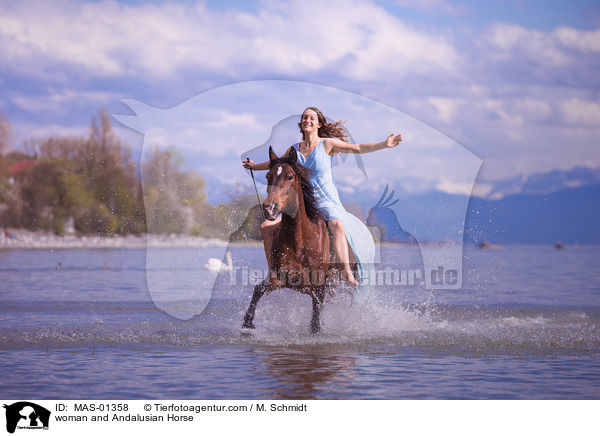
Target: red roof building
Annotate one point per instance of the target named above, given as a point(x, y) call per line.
point(21, 167)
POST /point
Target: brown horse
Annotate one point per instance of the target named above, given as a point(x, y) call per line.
point(300, 257)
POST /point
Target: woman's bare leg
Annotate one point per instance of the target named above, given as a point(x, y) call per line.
point(340, 249)
point(267, 231)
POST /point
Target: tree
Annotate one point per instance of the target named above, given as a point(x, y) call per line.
point(92, 180)
point(111, 174)
point(51, 194)
point(5, 133)
point(172, 197)
point(5, 136)
point(223, 221)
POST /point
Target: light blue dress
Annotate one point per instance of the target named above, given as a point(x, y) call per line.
point(359, 238)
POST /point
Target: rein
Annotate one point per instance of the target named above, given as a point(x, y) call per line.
point(256, 190)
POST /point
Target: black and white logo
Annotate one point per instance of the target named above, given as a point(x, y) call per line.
point(26, 415)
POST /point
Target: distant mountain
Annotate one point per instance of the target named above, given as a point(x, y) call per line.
point(539, 209)
point(541, 183)
point(561, 205)
point(570, 215)
point(546, 209)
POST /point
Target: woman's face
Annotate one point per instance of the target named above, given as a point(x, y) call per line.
point(310, 121)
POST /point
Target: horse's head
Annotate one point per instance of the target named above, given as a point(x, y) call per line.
point(283, 186)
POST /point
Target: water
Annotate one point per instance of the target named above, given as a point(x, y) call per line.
point(526, 325)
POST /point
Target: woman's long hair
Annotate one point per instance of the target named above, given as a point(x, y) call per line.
point(327, 130)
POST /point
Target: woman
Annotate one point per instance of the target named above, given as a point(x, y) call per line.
point(320, 141)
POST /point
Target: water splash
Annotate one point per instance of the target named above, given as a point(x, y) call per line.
point(283, 319)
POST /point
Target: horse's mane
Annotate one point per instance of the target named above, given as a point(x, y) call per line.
point(313, 211)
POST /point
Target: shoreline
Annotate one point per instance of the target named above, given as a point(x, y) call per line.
point(20, 239)
point(26, 239)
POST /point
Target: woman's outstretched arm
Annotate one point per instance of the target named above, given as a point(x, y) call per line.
point(335, 145)
point(250, 165)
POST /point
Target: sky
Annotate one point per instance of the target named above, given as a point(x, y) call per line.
point(514, 82)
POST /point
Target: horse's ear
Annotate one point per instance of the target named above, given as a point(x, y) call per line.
point(292, 155)
point(272, 155)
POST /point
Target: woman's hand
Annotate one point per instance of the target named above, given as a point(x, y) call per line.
point(335, 145)
point(249, 165)
point(393, 141)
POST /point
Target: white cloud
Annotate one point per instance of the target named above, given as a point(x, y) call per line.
point(60, 100)
point(507, 36)
point(454, 187)
point(37, 131)
point(558, 48)
point(108, 39)
point(341, 187)
point(532, 108)
point(498, 108)
point(481, 189)
point(447, 108)
point(224, 119)
point(585, 40)
point(507, 92)
point(433, 6)
point(579, 111)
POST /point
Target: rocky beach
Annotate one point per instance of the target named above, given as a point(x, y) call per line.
point(26, 239)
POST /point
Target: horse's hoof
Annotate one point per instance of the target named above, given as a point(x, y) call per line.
point(248, 323)
point(247, 332)
point(247, 329)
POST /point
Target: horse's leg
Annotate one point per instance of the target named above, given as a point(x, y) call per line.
point(259, 291)
point(317, 305)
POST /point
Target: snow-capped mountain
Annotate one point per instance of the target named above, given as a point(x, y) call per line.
point(540, 183)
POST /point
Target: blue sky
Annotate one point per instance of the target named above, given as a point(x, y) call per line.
point(516, 82)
